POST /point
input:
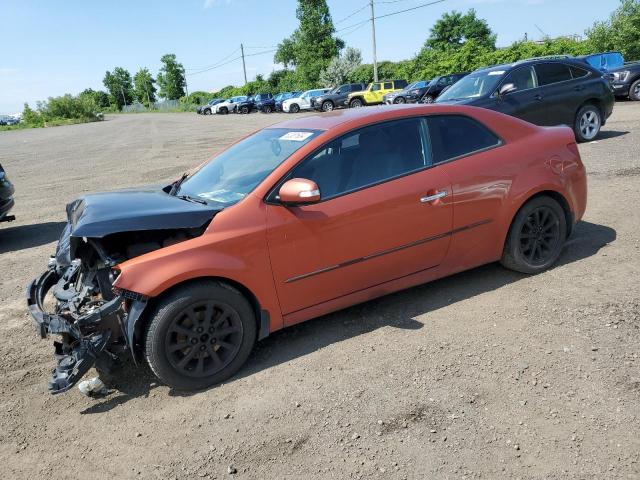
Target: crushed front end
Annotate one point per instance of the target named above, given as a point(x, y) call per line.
point(89, 317)
point(75, 298)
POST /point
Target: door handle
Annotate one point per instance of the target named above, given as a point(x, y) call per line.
point(435, 196)
point(538, 97)
point(578, 88)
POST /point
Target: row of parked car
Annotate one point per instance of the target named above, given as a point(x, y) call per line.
point(576, 91)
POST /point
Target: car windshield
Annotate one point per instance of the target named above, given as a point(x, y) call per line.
point(474, 85)
point(233, 174)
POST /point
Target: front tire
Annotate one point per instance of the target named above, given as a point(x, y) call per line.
point(355, 103)
point(244, 110)
point(634, 91)
point(266, 109)
point(536, 236)
point(587, 124)
point(399, 100)
point(200, 335)
point(428, 99)
point(223, 111)
point(294, 108)
point(207, 111)
point(327, 106)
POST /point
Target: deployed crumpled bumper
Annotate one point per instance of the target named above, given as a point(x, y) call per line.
point(84, 338)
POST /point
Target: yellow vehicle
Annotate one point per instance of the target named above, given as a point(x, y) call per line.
point(374, 93)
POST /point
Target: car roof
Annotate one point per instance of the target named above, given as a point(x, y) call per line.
point(365, 116)
point(532, 61)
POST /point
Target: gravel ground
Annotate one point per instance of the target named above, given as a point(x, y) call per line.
point(486, 374)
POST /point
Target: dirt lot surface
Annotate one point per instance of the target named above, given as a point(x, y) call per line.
point(487, 374)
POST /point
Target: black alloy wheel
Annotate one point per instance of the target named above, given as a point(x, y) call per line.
point(199, 335)
point(266, 109)
point(399, 100)
point(536, 236)
point(244, 109)
point(327, 106)
point(428, 99)
point(539, 236)
point(203, 338)
point(294, 108)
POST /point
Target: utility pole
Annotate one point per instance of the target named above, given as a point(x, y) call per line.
point(123, 97)
point(244, 67)
point(373, 31)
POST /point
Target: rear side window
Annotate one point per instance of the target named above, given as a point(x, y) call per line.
point(389, 86)
point(577, 72)
point(366, 157)
point(549, 73)
point(454, 136)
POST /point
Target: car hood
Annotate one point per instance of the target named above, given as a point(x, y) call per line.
point(101, 214)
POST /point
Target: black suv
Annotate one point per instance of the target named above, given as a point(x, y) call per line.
point(439, 85)
point(409, 94)
point(544, 91)
point(336, 97)
point(253, 103)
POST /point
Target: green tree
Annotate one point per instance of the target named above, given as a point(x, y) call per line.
point(340, 68)
point(171, 79)
point(99, 97)
point(120, 87)
point(144, 88)
point(620, 32)
point(455, 28)
point(312, 46)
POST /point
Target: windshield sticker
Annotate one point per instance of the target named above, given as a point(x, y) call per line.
point(497, 72)
point(296, 136)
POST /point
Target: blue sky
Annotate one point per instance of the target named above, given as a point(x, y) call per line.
point(49, 48)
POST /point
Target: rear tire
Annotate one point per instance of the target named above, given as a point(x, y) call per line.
point(399, 100)
point(428, 99)
point(244, 110)
point(536, 236)
point(587, 123)
point(327, 106)
point(223, 111)
point(200, 335)
point(266, 109)
point(294, 108)
point(206, 111)
point(634, 91)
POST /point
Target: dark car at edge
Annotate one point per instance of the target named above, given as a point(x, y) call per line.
point(253, 103)
point(543, 91)
point(207, 109)
point(336, 97)
point(6, 197)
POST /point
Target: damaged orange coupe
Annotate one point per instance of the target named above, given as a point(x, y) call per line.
point(295, 221)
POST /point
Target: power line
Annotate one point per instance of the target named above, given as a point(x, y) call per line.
point(409, 9)
point(358, 27)
point(213, 64)
point(351, 14)
point(354, 24)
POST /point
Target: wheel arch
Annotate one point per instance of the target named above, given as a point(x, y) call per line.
point(554, 194)
point(262, 316)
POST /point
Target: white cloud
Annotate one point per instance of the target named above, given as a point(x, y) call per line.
point(213, 3)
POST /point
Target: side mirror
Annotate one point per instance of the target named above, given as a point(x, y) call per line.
point(299, 191)
point(506, 89)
